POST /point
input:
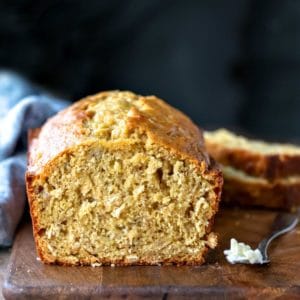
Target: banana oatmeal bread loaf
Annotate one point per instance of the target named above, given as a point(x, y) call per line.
point(121, 179)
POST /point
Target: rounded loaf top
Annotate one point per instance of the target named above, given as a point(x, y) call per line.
point(117, 117)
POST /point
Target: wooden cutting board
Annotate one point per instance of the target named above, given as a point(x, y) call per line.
point(27, 278)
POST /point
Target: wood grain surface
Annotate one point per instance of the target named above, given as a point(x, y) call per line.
point(27, 278)
point(4, 258)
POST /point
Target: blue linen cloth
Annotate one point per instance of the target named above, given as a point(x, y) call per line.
point(23, 105)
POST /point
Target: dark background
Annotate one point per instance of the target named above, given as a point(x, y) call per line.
point(224, 62)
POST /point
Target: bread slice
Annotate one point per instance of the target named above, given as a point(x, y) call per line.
point(256, 158)
point(256, 173)
point(121, 179)
point(245, 190)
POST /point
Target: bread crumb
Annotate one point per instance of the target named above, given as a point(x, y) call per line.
point(94, 265)
point(212, 240)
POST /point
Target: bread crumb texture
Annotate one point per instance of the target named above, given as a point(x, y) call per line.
point(111, 182)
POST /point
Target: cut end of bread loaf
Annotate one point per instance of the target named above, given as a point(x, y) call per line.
point(121, 193)
point(133, 205)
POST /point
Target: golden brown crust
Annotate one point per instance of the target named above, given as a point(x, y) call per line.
point(163, 125)
point(31, 197)
point(270, 167)
point(217, 181)
point(275, 195)
point(104, 262)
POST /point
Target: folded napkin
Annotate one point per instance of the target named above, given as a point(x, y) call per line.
point(22, 106)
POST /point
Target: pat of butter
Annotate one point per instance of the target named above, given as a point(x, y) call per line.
point(242, 253)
